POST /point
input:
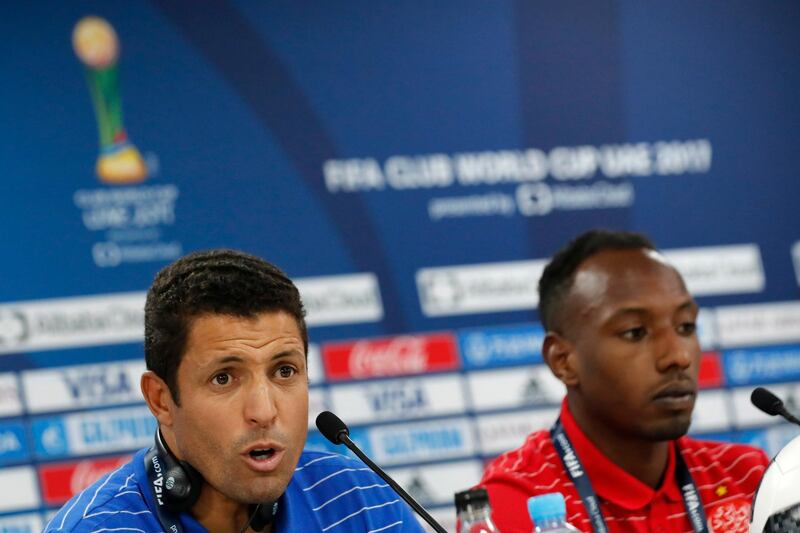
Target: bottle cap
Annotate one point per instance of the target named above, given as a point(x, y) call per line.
point(547, 506)
point(472, 497)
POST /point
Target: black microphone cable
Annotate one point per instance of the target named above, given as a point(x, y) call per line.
point(250, 520)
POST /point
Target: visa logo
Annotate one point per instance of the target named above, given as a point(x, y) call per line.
point(98, 384)
point(397, 399)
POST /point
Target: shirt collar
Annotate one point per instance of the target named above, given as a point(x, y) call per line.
point(611, 482)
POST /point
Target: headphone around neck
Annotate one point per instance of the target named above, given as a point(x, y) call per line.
point(179, 483)
point(176, 487)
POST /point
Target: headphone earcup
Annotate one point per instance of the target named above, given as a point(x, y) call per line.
point(181, 482)
point(182, 486)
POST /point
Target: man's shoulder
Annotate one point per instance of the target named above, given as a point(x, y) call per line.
point(328, 472)
point(346, 495)
point(718, 462)
point(113, 501)
point(314, 464)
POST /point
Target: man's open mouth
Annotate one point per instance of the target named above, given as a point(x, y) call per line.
point(262, 454)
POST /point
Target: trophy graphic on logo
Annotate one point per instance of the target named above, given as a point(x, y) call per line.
point(97, 46)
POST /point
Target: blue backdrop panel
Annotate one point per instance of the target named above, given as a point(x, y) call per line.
point(439, 152)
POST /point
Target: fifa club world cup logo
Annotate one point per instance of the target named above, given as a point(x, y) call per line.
point(96, 45)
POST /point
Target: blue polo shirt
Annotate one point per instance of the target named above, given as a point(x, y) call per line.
point(328, 493)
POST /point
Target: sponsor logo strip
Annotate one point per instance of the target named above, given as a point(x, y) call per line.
point(713, 270)
point(317, 402)
point(316, 375)
point(315, 441)
point(400, 399)
point(711, 411)
point(503, 432)
point(746, 415)
point(93, 432)
point(446, 517)
point(74, 387)
point(767, 365)
point(62, 481)
point(421, 442)
point(22, 523)
point(711, 372)
point(501, 346)
point(347, 299)
point(771, 440)
point(71, 322)
point(436, 484)
point(13, 442)
point(754, 325)
point(18, 489)
point(707, 329)
point(480, 288)
point(10, 404)
point(393, 356)
point(517, 387)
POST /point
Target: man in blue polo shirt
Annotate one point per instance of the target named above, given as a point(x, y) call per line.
point(225, 346)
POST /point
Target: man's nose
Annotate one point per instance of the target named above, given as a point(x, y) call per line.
point(676, 350)
point(259, 408)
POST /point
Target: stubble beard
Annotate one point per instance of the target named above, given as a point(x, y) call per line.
point(671, 429)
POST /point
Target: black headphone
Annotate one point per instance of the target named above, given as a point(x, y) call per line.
point(176, 487)
point(176, 484)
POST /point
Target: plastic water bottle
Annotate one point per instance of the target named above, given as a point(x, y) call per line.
point(474, 513)
point(549, 514)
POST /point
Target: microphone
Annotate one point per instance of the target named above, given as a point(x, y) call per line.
point(767, 402)
point(333, 429)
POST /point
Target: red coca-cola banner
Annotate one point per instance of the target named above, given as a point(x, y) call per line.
point(61, 481)
point(392, 356)
point(711, 373)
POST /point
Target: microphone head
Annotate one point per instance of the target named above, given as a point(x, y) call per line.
point(332, 427)
point(766, 401)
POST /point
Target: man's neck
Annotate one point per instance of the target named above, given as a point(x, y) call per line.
point(219, 514)
point(643, 459)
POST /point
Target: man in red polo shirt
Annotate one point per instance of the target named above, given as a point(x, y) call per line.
point(621, 336)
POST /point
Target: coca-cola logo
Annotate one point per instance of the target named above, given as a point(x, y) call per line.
point(395, 356)
point(399, 355)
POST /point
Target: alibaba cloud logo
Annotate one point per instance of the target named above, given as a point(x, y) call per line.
point(96, 45)
point(14, 328)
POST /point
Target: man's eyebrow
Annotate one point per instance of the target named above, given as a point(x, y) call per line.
point(238, 359)
point(688, 304)
point(228, 359)
point(288, 353)
point(629, 311)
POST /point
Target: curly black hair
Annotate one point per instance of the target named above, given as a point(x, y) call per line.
point(220, 281)
point(559, 273)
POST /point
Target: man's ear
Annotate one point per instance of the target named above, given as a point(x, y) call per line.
point(559, 354)
point(158, 397)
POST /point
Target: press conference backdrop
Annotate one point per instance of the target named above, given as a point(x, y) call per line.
point(412, 165)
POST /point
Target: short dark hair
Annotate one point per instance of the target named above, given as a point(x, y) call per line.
point(222, 281)
point(558, 275)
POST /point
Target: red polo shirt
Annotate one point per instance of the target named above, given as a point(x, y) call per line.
point(726, 476)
